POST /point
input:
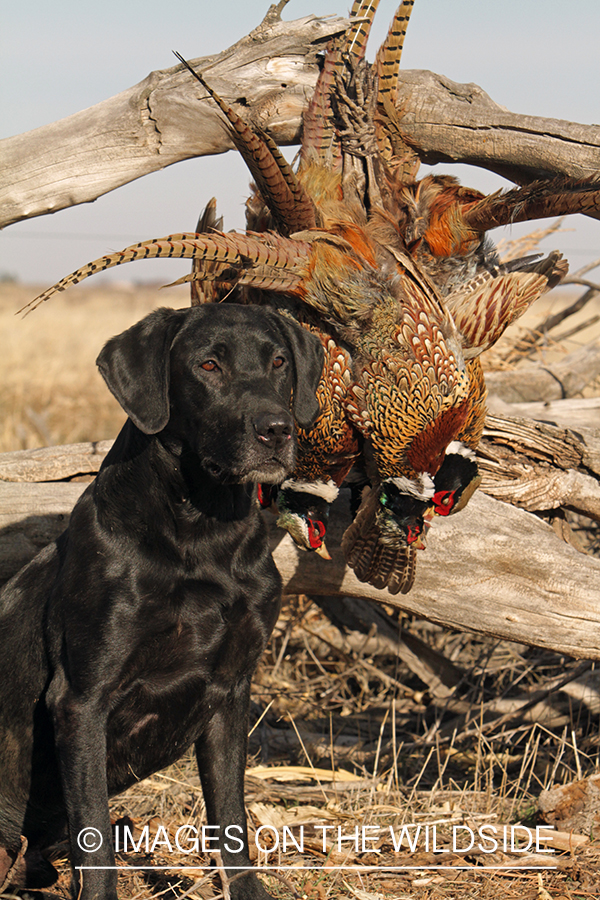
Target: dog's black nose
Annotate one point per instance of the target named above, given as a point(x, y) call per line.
point(273, 430)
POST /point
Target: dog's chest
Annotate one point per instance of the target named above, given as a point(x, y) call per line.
point(178, 676)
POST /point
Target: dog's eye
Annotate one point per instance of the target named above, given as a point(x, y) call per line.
point(278, 362)
point(209, 365)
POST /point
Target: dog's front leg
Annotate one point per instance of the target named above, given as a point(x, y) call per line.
point(80, 739)
point(221, 754)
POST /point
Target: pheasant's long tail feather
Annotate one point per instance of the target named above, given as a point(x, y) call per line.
point(264, 278)
point(277, 182)
point(538, 200)
point(203, 288)
point(387, 61)
point(357, 37)
point(319, 140)
point(398, 155)
point(239, 250)
point(383, 567)
point(373, 561)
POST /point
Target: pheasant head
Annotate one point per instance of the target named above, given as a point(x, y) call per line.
point(304, 512)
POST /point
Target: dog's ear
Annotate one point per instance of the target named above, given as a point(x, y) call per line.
point(135, 366)
point(308, 356)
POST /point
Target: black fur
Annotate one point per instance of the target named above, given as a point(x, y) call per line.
point(137, 633)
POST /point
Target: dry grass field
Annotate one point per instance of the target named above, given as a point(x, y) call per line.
point(51, 390)
point(344, 734)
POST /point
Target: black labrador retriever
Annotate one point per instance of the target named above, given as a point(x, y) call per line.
point(137, 633)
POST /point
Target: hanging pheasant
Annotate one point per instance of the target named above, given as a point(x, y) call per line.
point(397, 278)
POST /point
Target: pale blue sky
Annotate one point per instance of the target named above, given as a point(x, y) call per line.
point(59, 57)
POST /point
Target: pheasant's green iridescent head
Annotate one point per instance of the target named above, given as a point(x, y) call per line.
point(403, 505)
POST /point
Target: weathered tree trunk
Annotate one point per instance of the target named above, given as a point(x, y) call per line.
point(460, 123)
point(269, 77)
point(492, 568)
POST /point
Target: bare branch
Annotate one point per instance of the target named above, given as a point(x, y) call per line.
point(268, 75)
point(450, 122)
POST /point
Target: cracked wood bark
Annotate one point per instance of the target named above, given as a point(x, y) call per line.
point(269, 76)
point(539, 466)
point(492, 569)
point(581, 414)
point(451, 122)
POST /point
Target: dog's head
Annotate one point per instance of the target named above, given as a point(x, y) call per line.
point(221, 379)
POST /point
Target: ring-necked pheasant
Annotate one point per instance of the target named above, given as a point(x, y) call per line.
point(396, 277)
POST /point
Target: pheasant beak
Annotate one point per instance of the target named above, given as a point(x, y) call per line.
point(316, 537)
point(322, 551)
point(415, 536)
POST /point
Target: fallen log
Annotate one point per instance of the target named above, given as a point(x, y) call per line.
point(492, 569)
point(269, 75)
point(460, 123)
point(539, 466)
point(580, 414)
point(57, 463)
point(530, 464)
point(31, 516)
point(555, 381)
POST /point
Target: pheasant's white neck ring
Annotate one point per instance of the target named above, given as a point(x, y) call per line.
point(325, 489)
point(459, 449)
point(421, 487)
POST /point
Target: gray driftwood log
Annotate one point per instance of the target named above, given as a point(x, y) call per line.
point(555, 381)
point(493, 568)
point(268, 77)
point(450, 122)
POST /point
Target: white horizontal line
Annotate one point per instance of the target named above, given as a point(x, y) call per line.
point(325, 868)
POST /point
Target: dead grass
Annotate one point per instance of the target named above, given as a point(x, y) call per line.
point(52, 392)
point(344, 735)
point(347, 739)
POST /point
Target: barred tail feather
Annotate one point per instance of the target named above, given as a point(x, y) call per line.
point(275, 179)
point(387, 61)
point(373, 562)
point(238, 250)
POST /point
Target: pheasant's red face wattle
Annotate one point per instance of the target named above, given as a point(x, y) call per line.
point(443, 502)
point(316, 533)
point(413, 532)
